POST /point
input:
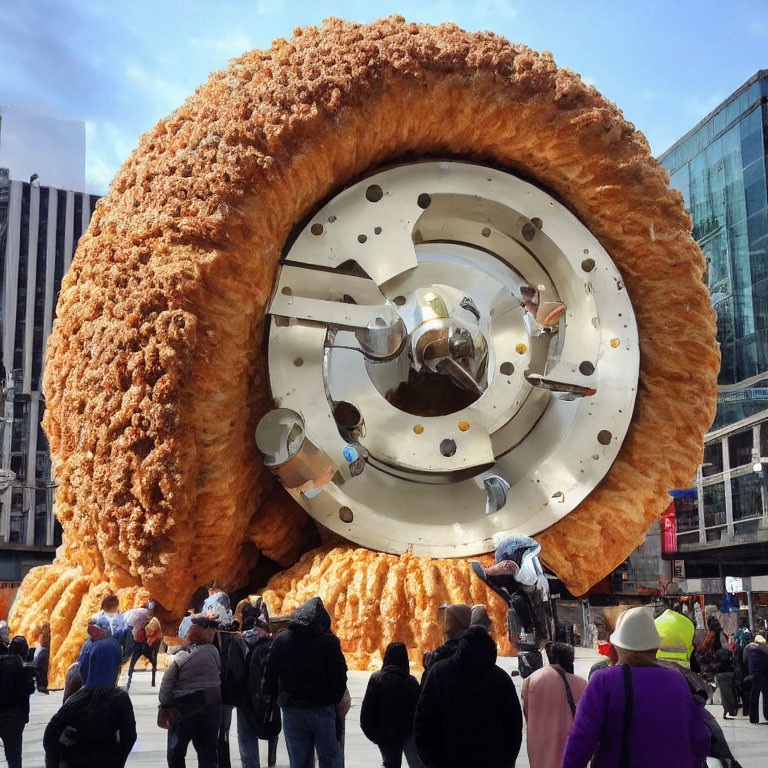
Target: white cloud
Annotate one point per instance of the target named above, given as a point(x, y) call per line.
point(588, 80)
point(108, 145)
point(169, 94)
point(759, 29)
point(226, 46)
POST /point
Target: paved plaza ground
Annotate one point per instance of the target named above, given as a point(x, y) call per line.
point(749, 742)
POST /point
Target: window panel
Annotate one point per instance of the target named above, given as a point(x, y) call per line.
point(740, 449)
point(745, 494)
point(719, 121)
point(714, 504)
point(713, 458)
point(751, 147)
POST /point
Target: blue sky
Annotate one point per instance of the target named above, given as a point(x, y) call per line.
point(121, 66)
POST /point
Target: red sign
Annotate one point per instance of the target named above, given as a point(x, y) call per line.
point(669, 530)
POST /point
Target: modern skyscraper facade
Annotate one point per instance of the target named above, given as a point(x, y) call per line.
point(720, 167)
point(39, 230)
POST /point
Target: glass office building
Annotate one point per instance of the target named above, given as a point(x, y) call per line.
point(720, 167)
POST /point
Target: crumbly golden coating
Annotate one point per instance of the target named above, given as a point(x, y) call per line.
point(375, 599)
point(66, 597)
point(156, 375)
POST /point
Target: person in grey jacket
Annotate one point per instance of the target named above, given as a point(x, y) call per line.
point(192, 686)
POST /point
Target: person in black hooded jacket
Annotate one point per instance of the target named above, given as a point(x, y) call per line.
point(389, 705)
point(468, 712)
point(16, 686)
point(307, 672)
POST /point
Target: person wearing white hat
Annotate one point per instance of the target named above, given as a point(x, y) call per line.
point(637, 713)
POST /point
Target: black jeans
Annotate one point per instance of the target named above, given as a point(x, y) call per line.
point(392, 754)
point(759, 685)
point(10, 733)
point(150, 653)
point(201, 729)
point(222, 742)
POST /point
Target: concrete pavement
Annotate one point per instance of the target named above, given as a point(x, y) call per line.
point(749, 742)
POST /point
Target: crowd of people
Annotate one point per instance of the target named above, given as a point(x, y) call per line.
point(464, 711)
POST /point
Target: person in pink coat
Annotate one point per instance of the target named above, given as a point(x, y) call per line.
point(550, 697)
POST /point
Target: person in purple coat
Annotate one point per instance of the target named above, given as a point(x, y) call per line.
point(637, 713)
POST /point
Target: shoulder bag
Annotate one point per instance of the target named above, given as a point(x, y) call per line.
point(625, 757)
point(568, 692)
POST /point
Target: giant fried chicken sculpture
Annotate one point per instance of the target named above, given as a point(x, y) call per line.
point(156, 378)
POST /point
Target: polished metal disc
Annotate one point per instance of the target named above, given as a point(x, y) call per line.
point(460, 348)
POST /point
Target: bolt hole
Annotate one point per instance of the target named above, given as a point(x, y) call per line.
point(380, 322)
point(506, 369)
point(346, 515)
point(528, 231)
point(586, 368)
point(316, 229)
point(377, 230)
point(331, 219)
point(486, 232)
point(287, 291)
point(346, 415)
point(537, 222)
point(424, 200)
point(588, 265)
point(448, 447)
point(298, 362)
point(361, 238)
point(604, 437)
point(399, 300)
point(374, 193)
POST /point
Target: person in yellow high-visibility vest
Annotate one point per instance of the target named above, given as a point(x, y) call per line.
point(676, 633)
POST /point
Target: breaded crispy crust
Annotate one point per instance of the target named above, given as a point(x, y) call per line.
point(156, 374)
point(376, 599)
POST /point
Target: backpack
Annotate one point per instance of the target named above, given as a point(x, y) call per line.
point(257, 662)
point(266, 711)
point(15, 683)
point(234, 671)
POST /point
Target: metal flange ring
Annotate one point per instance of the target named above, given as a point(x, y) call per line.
point(460, 348)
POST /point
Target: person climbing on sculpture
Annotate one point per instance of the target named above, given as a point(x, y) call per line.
point(518, 577)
